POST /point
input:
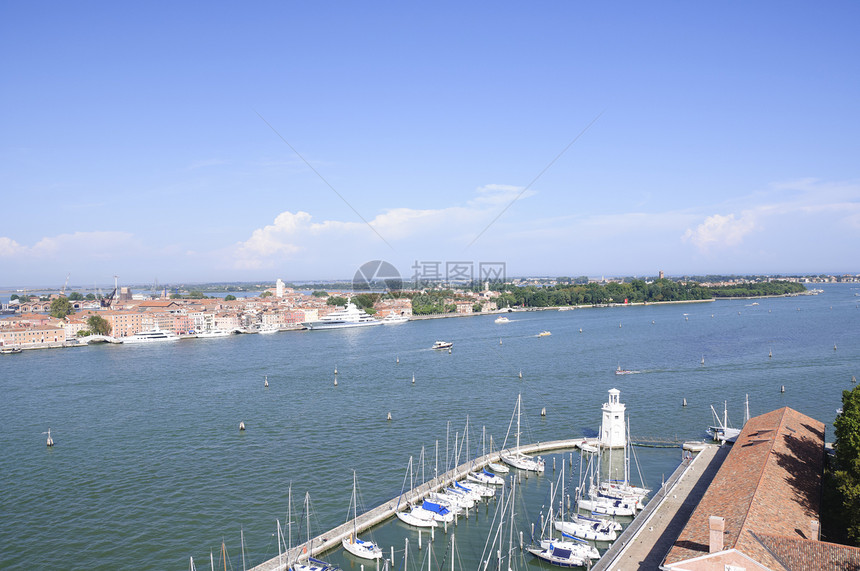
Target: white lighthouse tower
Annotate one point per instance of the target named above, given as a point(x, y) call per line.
point(612, 434)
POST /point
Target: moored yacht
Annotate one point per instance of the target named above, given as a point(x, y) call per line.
point(151, 336)
point(214, 333)
point(350, 316)
point(394, 319)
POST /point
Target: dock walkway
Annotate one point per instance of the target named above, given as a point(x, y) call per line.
point(646, 541)
point(332, 539)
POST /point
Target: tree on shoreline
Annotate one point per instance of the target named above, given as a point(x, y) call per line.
point(845, 475)
point(98, 325)
point(61, 307)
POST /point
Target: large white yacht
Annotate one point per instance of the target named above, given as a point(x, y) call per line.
point(350, 316)
point(151, 336)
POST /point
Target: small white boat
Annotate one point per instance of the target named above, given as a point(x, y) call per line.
point(485, 477)
point(9, 350)
point(593, 530)
point(500, 468)
point(417, 518)
point(442, 345)
point(579, 547)
point(502, 319)
point(606, 506)
point(352, 543)
point(620, 371)
point(452, 500)
point(481, 490)
point(460, 490)
point(268, 329)
point(558, 556)
point(516, 458)
point(393, 319)
point(544, 334)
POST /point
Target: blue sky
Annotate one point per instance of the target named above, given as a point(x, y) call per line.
point(153, 140)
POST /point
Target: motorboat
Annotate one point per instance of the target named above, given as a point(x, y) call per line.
point(151, 336)
point(349, 316)
point(620, 371)
point(544, 334)
point(502, 319)
point(442, 345)
point(394, 319)
point(211, 333)
point(9, 350)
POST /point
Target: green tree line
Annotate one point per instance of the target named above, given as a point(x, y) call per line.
point(841, 497)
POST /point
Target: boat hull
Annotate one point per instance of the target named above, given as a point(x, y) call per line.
point(320, 325)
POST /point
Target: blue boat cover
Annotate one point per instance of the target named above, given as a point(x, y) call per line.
point(488, 473)
point(560, 553)
point(435, 508)
point(573, 538)
point(462, 487)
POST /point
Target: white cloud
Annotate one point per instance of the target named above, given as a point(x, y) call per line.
point(9, 247)
point(296, 235)
point(80, 245)
point(718, 230)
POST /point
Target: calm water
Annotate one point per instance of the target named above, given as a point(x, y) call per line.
point(149, 467)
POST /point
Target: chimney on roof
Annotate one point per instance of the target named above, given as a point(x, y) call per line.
point(717, 526)
point(815, 530)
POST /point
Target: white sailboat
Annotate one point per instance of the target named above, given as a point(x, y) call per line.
point(352, 543)
point(416, 516)
point(558, 554)
point(312, 564)
point(721, 430)
point(578, 548)
point(582, 527)
point(516, 458)
point(587, 498)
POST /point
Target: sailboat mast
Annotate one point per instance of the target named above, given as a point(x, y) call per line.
point(354, 508)
point(242, 542)
point(519, 399)
point(308, 519)
point(511, 532)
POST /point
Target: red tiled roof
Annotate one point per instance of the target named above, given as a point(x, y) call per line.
point(769, 484)
point(801, 554)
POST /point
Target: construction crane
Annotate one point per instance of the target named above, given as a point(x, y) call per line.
point(63, 291)
point(108, 300)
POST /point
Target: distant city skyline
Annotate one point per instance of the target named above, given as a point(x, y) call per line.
point(299, 141)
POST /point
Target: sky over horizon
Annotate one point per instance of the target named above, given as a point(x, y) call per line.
point(199, 142)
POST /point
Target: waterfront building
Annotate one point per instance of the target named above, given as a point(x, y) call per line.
point(613, 432)
point(761, 511)
point(123, 323)
point(23, 336)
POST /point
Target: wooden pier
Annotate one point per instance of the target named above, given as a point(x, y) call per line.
point(333, 538)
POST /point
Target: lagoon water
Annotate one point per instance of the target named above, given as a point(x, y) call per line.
point(149, 467)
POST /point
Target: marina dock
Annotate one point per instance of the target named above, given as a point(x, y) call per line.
point(647, 540)
point(332, 539)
